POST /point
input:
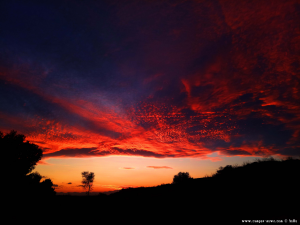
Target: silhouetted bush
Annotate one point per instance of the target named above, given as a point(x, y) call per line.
point(181, 177)
point(47, 188)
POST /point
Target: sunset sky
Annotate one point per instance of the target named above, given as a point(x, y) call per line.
point(139, 90)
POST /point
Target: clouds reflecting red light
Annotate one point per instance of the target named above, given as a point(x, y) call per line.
point(173, 80)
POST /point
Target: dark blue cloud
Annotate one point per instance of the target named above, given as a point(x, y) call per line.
point(89, 152)
point(70, 152)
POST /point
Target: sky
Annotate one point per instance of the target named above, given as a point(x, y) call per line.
point(137, 91)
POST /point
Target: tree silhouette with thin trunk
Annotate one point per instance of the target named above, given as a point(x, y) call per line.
point(87, 181)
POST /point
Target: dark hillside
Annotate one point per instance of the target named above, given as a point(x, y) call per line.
point(263, 189)
point(266, 189)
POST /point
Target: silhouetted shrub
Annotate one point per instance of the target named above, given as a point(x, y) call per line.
point(47, 188)
point(181, 177)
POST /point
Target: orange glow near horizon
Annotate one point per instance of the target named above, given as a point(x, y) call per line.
point(110, 175)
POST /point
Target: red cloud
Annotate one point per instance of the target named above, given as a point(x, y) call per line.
point(160, 167)
point(127, 168)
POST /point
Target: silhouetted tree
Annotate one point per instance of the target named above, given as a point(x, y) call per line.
point(21, 157)
point(87, 181)
point(181, 177)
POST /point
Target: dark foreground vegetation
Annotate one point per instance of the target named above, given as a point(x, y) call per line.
point(20, 157)
point(265, 189)
point(261, 190)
